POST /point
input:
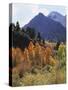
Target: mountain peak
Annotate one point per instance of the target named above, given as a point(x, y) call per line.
point(54, 13)
point(58, 18)
point(41, 14)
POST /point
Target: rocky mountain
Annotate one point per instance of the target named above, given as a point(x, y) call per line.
point(58, 18)
point(49, 28)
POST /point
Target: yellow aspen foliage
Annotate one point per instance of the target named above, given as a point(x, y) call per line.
point(61, 50)
point(52, 61)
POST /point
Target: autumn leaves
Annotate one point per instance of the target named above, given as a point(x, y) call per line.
point(32, 56)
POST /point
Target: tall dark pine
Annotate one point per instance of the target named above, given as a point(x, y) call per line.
point(39, 37)
point(31, 32)
point(17, 26)
point(11, 27)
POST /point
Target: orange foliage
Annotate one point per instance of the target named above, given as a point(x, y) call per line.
point(48, 53)
point(37, 50)
point(24, 66)
point(43, 56)
point(36, 54)
point(31, 49)
point(13, 53)
point(19, 55)
point(26, 54)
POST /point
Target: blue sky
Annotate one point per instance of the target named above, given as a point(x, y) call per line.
point(25, 12)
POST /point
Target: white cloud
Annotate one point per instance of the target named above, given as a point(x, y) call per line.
point(35, 9)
